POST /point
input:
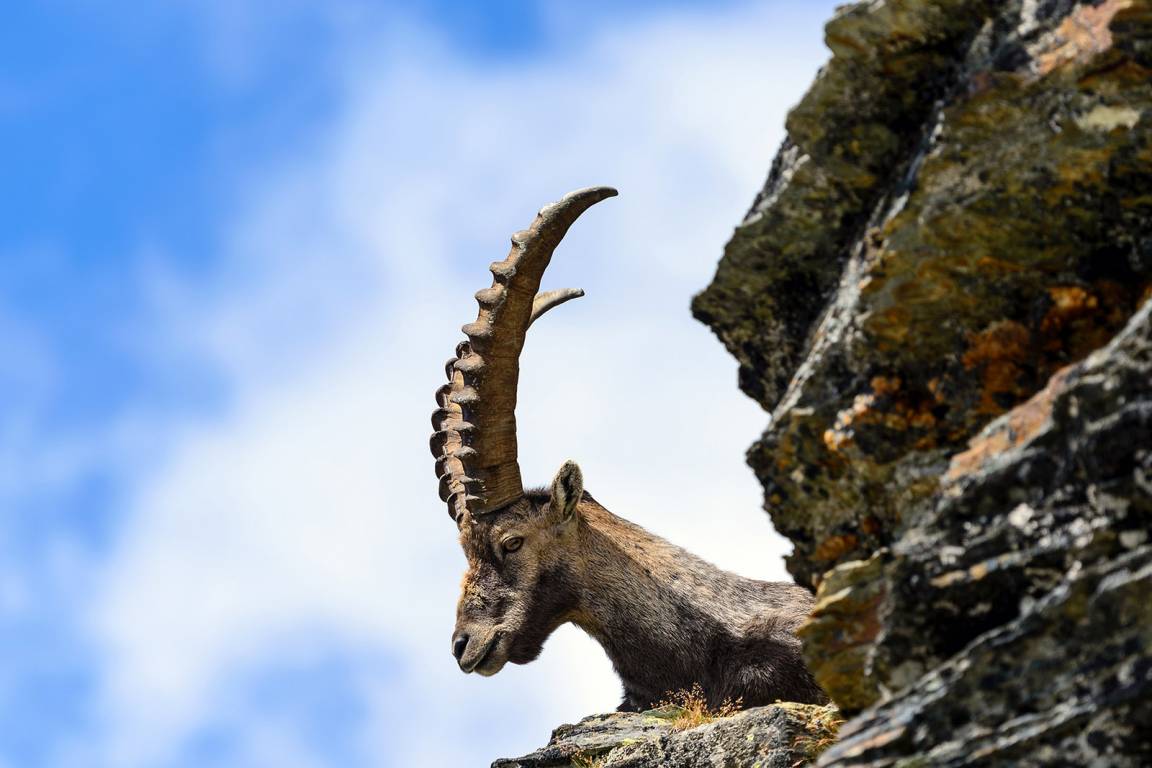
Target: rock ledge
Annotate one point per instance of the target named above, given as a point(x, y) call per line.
point(778, 736)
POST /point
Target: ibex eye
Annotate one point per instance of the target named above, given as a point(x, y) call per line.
point(512, 543)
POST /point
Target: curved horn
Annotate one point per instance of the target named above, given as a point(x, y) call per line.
point(475, 438)
point(545, 301)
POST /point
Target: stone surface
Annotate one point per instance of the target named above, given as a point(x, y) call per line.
point(960, 210)
point(1017, 622)
point(961, 214)
point(781, 736)
point(847, 141)
point(840, 636)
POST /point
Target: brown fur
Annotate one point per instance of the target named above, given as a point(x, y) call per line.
point(666, 618)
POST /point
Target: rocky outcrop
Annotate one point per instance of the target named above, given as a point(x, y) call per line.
point(938, 297)
point(960, 210)
point(782, 736)
point(1017, 627)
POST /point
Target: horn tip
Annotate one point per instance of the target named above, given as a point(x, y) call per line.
point(600, 193)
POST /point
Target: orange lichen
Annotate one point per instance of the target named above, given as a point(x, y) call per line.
point(1020, 426)
point(1084, 34)
point(936, 388)
point(835, 547)
point(1068, 298)
point(885, 385)
point(839, 436)
point(1069, 304)
point(1002, 340)
point(1081, 319)
point(887, 406)
point(998, 352)
point(836, 440)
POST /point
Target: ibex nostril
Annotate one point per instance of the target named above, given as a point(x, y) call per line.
point(459, 643)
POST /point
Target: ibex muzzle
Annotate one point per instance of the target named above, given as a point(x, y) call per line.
point(539, 559)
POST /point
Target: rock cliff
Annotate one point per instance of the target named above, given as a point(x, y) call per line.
point(943, 296)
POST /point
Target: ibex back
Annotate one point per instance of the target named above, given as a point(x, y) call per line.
point(538, 559)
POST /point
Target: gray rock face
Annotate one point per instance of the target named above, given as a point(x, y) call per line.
point(960, 210)
point(782, 736)
point(848, 143)
point(943, 294)
point(1019, 619)
point(945, 303)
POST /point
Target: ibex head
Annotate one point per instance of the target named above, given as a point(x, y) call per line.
point(519, 584)
point(516, 590)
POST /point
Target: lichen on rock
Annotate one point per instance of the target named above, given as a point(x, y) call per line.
point(1020, 602)
point(964, 479)
point(779, 736)
point(998, 227)
point(999, 232)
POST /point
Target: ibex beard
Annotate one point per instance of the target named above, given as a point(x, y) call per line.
point(539, 559)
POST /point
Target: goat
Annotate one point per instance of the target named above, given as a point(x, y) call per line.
point(538, 559)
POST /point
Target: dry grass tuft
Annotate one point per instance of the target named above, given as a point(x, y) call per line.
point(585, 760)
point(693, 708)
point(822, 726)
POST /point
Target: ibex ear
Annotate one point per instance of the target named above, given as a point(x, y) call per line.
point(567, 490)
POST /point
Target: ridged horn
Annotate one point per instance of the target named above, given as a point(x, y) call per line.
point(475, 424)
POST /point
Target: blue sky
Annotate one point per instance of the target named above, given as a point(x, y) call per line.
point(238, 240)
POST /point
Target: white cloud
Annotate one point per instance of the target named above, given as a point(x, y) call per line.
point(308, 507)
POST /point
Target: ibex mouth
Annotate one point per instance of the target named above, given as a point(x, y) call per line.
point(483, 657)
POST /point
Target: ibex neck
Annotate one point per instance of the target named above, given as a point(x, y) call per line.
point(644, 599)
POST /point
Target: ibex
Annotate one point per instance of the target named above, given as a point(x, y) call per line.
point(540, 558)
